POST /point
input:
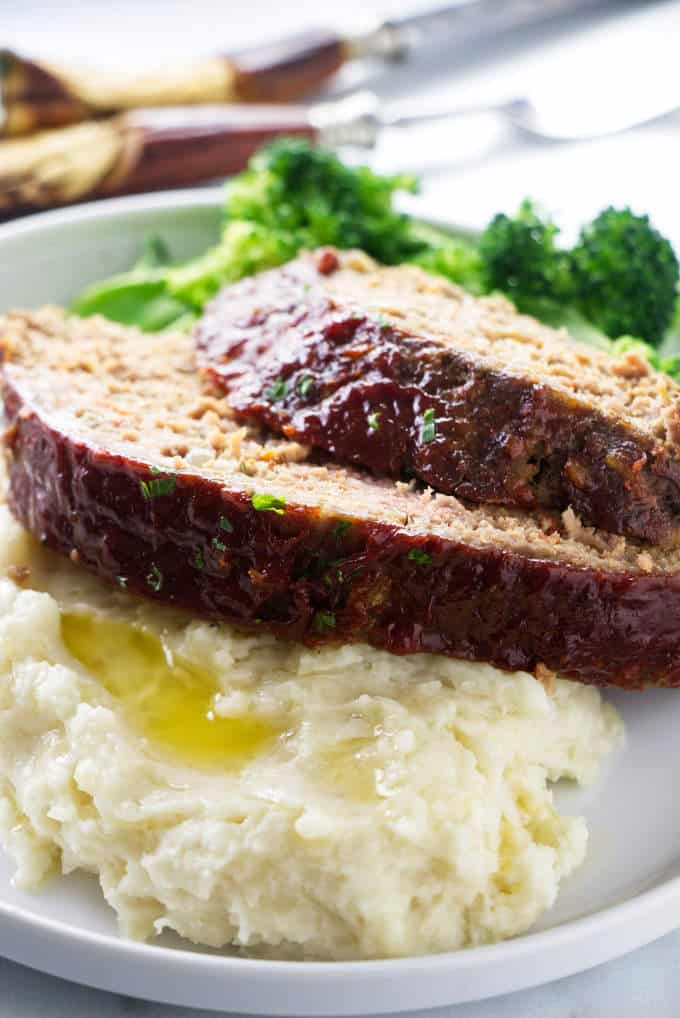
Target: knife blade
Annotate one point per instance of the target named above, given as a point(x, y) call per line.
point(36, 94)
point(458, 20)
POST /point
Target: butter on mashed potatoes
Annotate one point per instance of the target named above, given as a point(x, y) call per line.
point(400, 805)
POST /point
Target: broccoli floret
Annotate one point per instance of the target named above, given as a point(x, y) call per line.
point(309, 197)
point(295, 196)
point(622, 276)
point(671, 365)
point(520, 257)
point(625, 275)
point(244, 248)
point(450, 255)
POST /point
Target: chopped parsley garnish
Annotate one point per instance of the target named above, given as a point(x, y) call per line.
point(429, 429)
point(305, 385)
point(158, 486)
point(333, 577)
point(199, 560)
point(323, 621)
point(374, 420)
point(226, 525)
point(421, 557)
point(218, 545)
point(269, 503)
point(277, 390)
point(155, 578)
point(341, 528)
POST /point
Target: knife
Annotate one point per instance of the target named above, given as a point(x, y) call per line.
point(36, 94)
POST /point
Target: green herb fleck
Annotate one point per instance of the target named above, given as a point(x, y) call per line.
point(218, 545)
point(334, 576)
point(305, 385)
point(341, 528)
point(226, 525)
point(429, 429)
point(158, 486)
point(277, 390)
point(155, 578)
point(374, 420)
point(382, 321)
point(323, 621)
point(199, 560)
point(269, 503)
point(122, 581)
point(421, 557)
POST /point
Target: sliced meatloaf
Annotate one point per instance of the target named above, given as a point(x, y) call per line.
point(120, 458)
point(399, 371)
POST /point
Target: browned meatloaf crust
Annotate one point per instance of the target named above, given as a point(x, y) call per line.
point(397, 370)
point(119, 458)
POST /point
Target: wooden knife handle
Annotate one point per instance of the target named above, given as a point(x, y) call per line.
point(36, 95)
point(289, 69)
point(179, 147)
point(143, 150)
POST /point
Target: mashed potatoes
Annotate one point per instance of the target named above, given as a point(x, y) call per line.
point(398, 805)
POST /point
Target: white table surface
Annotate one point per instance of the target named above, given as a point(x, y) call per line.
point(469, 170)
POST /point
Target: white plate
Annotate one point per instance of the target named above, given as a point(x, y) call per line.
point(626, 894)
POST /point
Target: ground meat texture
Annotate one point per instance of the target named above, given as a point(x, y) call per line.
point(240, 531)
point(397, 371)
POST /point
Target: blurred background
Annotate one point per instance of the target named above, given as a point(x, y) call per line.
point(596, 63)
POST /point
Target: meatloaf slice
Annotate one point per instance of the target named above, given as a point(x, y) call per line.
point(399, 371)
point(119, 457)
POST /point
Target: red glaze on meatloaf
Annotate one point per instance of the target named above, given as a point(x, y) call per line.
point(118, 458)
point(400, 372)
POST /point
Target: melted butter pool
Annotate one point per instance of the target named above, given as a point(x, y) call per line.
point(168, 699)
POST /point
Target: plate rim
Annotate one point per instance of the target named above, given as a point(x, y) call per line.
point(303, 988)
point(309, 984)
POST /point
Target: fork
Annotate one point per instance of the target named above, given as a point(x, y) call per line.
point(360, 119)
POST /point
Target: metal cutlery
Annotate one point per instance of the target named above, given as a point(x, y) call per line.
point(153, 149)
point(36, 94)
